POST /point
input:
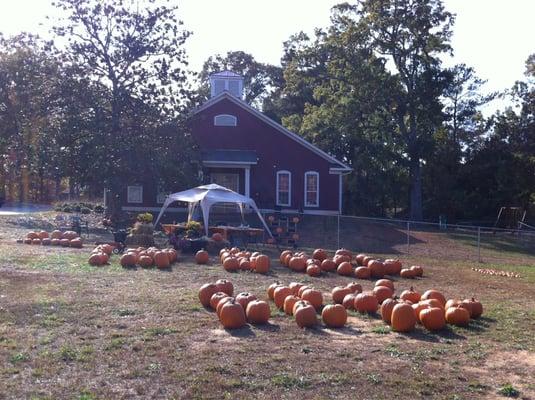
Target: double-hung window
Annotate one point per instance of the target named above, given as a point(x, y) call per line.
point(284, 188)
point(312, 186)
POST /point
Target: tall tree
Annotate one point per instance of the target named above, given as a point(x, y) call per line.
point(135, 48)
point(411, 35)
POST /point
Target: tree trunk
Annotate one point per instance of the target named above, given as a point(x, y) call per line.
point(415, 173)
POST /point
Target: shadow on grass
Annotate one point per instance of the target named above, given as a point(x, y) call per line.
point(269, 327)
point(435, 336)
point(246, 331)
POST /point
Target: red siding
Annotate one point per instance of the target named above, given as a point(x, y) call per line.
point(275, 151)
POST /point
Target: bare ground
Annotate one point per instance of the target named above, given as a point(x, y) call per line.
point(70, 331)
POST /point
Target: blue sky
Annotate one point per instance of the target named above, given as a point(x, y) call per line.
point(493, 36)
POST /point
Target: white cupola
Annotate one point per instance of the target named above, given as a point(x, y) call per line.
point(226, 80)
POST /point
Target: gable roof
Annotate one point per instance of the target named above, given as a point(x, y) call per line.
point(338, 165)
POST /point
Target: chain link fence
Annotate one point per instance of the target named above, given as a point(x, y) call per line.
point(408, 238)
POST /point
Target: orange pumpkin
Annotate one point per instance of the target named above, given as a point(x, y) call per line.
point(305, 315)
point(232, 315)
point(476, 308)
point(392, 267)
point(328, 265)
point(410, 295)
point(206, 292)
point(262, 264)
point(362, 272)
point(407, 273)
point(231, 264)
point(202, 257)
point(216, 297)
point(457, 316)
point(345, 269)
point(245, 298)
point(280, 294)
point(432, 318)
point(382, 293)
point(145, 261)
point(258, 312)
point(225, 286)
point(297, 264)
point(339, 293)
point(76, 242)
point(349, 301)
point(366, 302)
point(161, 259)
point(319, 254)
point(386, 309)
point(314, 297)
point(377, 268)
point(289, 303)
point(295, 286)
point(128, 260)
point(417, 270)
point(334, 315)
point(434, 294)
point(302, 289)
point(385, 282)
point(95, 259)
point(283, 255)
point(418, 307)
point(313, 270)
point(403, 318)
point(271, 289)
point(354, 287)
point(360, 259)
point(221, 303)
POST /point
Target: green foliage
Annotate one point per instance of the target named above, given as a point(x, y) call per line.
point(145, 218)
point(508, 390)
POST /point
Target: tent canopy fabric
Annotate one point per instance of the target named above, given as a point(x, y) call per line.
point(208, 195)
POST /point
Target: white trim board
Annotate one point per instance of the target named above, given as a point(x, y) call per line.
point(173, 209)
point(290, 211)
point(274, 124)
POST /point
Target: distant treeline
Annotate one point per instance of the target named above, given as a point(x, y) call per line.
point(111, 103)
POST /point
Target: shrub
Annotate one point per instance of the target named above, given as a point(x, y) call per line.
point(99, 209)
point(85, 210)
point(145, 217)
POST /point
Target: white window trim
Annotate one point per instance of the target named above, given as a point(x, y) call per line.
point(237, 174)
point(233, 117)
point(129, 194)
point(289, 188)
point(317, 189)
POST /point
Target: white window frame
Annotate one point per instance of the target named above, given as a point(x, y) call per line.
point(130, 194)
point(289, 188)
point(233, 120)
point(317, 203)
point(236, 174)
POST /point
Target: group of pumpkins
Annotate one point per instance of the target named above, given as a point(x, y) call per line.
point(429, 309)
point(495, 272)
point(344, 263)
point(55, 238)
point(233, 312)
point(304, 302)
point(144, 257)
point(234, 260)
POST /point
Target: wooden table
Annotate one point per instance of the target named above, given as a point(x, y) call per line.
point(225, 230)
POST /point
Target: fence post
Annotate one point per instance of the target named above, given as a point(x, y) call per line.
point(408, 237)
point(338, 233)
point(478, 244)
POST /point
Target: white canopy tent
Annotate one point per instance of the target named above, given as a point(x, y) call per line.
point(206, 196)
